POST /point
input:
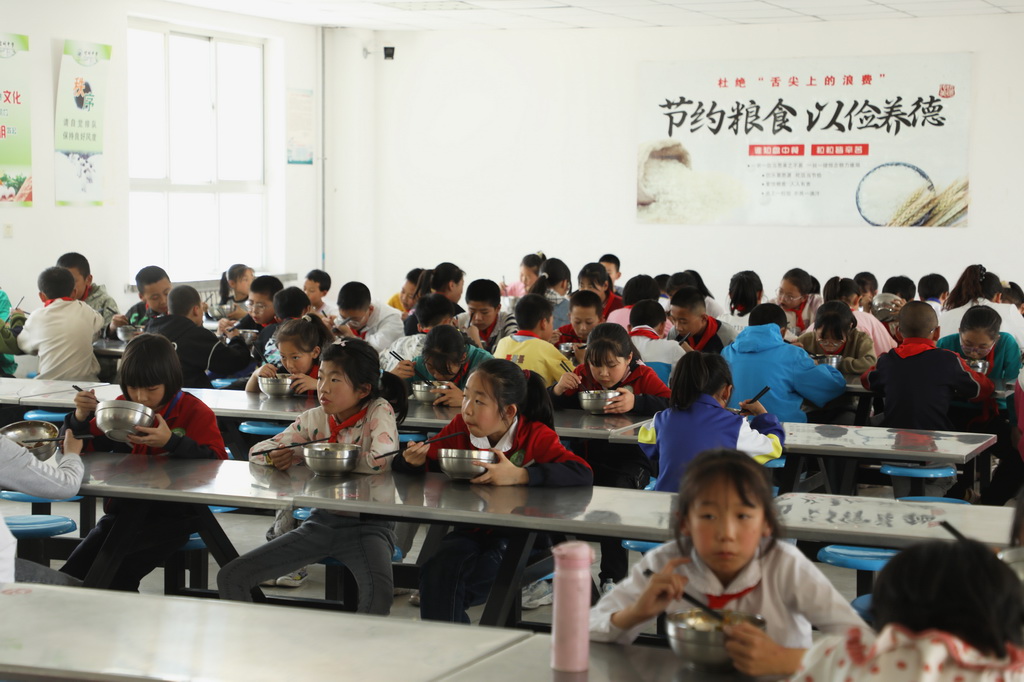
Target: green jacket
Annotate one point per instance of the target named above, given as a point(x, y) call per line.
point(102, 302)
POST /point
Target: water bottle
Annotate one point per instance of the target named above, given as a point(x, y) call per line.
point(570, 629)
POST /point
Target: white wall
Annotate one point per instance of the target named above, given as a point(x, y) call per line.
point(489, 145)
point(44, 231)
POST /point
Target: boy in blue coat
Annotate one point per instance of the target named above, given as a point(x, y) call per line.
point(760, 357)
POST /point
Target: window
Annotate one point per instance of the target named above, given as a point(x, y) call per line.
point(197, 198)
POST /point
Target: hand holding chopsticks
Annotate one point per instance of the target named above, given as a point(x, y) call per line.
point(426, 442)
point(292, 445)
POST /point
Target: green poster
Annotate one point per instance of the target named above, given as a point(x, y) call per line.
point(78, 129)
point(15, 122)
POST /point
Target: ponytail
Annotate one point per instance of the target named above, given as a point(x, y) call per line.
point(975, 284)
point(745, 291)
point(540, 285)
point(525, 389)
point(552, 271)
point(695, 374)
point(225, 288)
point(359, 362)
point(840, 288)
point(704, 291)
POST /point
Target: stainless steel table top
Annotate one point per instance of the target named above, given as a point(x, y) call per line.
point(12, 391)
point(246, 405)
point(880, 522)
point(73, 633)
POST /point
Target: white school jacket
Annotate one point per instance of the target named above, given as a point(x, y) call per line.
point(791, 594)
point(384, 326)
point(61, 334)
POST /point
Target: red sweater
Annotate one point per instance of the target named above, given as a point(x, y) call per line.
point(534, 445)
point(650, 392)
point(195, 434)
point(611, 304)
point(568, 334)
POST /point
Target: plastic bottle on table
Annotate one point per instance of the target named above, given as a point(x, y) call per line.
point(570, 648)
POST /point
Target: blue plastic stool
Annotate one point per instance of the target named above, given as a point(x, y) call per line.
point(865, 560)
point(254, 428)
point(193, 543)
point(862, 605)
point(38, 526)
point(222, 383)
point(653, 482)
point(934, 500)
point(216, 509)
point(411, 437)
point(12, 496)
point(32, 375)
point(45, 416)
point(302, 513)
point(641, 546)
point(192, 557)
point(918, 474)
point(777, 463)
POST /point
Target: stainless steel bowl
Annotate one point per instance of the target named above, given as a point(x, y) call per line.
point(331, 459)
point(697, 638)
point(421, 390)
point(117, 419)
point(830, 360)
point(883, 306)
point(1014, 558)
point(248, 335)
point(128, 332)
point(458, 464)
point(594, 401)
point(30, 430)
point(276, 387)
point(567, 349)
point(978, 365)
point(214, 312)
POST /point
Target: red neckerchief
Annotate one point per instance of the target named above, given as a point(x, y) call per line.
point(459, 375)
point(913, 346)
point(59, 298)
point(568, 334)
point(644, 331)
point(88, 290)
point(741, 309)
point(610, 301)
point(709, 331)
point(801, 324)
point(523, 332)
point(336, 428)
point(839, 351)
point(486, 334)
point(719, 601)
point(590, 383)
point(991, 357)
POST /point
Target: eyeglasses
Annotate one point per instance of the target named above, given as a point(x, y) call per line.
point(787, 298)
point(976, 350)
point(830, 343)
point(255, 307)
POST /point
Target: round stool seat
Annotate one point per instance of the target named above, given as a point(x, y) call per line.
point(193, 543)
point(939, 471)
point(640, 546)
point(222, 510)
point(222, 383)
point(858, 558)
point(411, 437)
point(777, 463)
point(933, 500)
point(32, 375)
point(34, 526)
point(862, 605)
point(255, 428)
point(45, 416)
point(650, 484)
point(302, 513)
point(12, 496)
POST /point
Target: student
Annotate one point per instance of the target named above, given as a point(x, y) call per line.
point(980, 338)
point(835, 333)
point(638, 288)
point(593, 277)
point(432, 310)
point(1014, 295)
point(358, 404)
point(446, 279)
point(529, 347)
point(61, 333)
point(289, 304)
point(868, 285)
point(506, 411)
point(726, 555)
point(184, 427)
point(584, 314)
point(902, 286)
point(234, 290)
point(646, 322)
point(447, 356)
point(919, 381)
point(529, 270)
point(933, 289)
point(944, 611)
point(846, 290)
point(20, 470)
point(362, 317)
point(405, 300)
point(714, 308)
point(554, 282)
point(797, 298)
point(10, 344)
point(978, 286)
point(761, 357)
point(694, 328)
point(485, 322)
point(316, 287)
point(300, 342)
point(697, 420)
point(94, 295)
point(153, 286)
point(199, 350)
point(745, 292)
point(612, 363)
point(259, 307)
point(611, 264)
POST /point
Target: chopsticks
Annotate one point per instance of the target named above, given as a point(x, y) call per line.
point(293, 445)
point(953, 531)
point(566, 367)
point(55, 440)
point(426, 442)
point(396, 356)
point(693, 600)
point(752, 400)
point(20, 301)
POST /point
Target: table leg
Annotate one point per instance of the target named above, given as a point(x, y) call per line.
point(503, 605)
point(790, 473)
point(863, 409)
point(848, 476)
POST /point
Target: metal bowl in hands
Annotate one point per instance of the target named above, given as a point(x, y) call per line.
point(128, 332)
point(31, 430)
point(978, 365)
point(249, 335)
point(594, 401)
point(459, 464)
point(697, 638)
point(332, 459)
point(567, 349)
point(885, 307)
point(830, 360)
point(117, 419)
point(276, 387)
point(215, 312)
point(421, 390)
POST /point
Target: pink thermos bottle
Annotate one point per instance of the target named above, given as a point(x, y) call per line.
point(570, 629)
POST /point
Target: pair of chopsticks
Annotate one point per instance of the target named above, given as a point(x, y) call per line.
point(693, 600)
point(566, 367)
point(20, 301)
point(753, 400)
point(55, 440)
point(293, 445)
point(426, 442)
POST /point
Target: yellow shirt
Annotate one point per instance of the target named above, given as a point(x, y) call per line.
point(396, 303)
point(536, 355)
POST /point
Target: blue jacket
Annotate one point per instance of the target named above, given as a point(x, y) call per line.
point(677, 436)
point(759, 357)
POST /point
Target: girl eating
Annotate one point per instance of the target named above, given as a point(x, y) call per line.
point(835, 333)
point(234, 290)
point(796, 297)
point(300, 342)
point(450, 357)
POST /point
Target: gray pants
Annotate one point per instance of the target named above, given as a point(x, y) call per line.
point(30, 572)
point(364, 546)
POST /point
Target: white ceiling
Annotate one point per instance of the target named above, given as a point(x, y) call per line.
point(533, 14)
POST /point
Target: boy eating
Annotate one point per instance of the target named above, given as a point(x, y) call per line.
point(316, 287)
point(485, 323)
point(377, 324)
point(529, 347)
point(154, 286)
point(694, 328)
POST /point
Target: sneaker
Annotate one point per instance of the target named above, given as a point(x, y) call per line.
point(295, 579)
point(270, 582)
point(607, 586)
point(414, 598)
point(537, 594)
point(399, 591)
